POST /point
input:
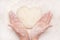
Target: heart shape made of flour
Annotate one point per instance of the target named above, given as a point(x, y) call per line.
point(29, 16)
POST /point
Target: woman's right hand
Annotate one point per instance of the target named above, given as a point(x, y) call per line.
point(41, 26)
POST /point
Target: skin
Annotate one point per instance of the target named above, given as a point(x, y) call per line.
point(40, 27)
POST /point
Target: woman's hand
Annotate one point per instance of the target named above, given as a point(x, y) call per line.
point(18, 27)
point(41, 26)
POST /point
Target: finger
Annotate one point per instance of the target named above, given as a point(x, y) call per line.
point(45, 28)
point(45, 19)
point(13, 18)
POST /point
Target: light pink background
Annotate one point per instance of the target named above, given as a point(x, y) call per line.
point(6, 33)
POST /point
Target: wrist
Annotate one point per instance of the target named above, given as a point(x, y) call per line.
point(36, 38)
point(24, 38)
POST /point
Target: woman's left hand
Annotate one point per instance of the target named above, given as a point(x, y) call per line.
point(17, 26)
